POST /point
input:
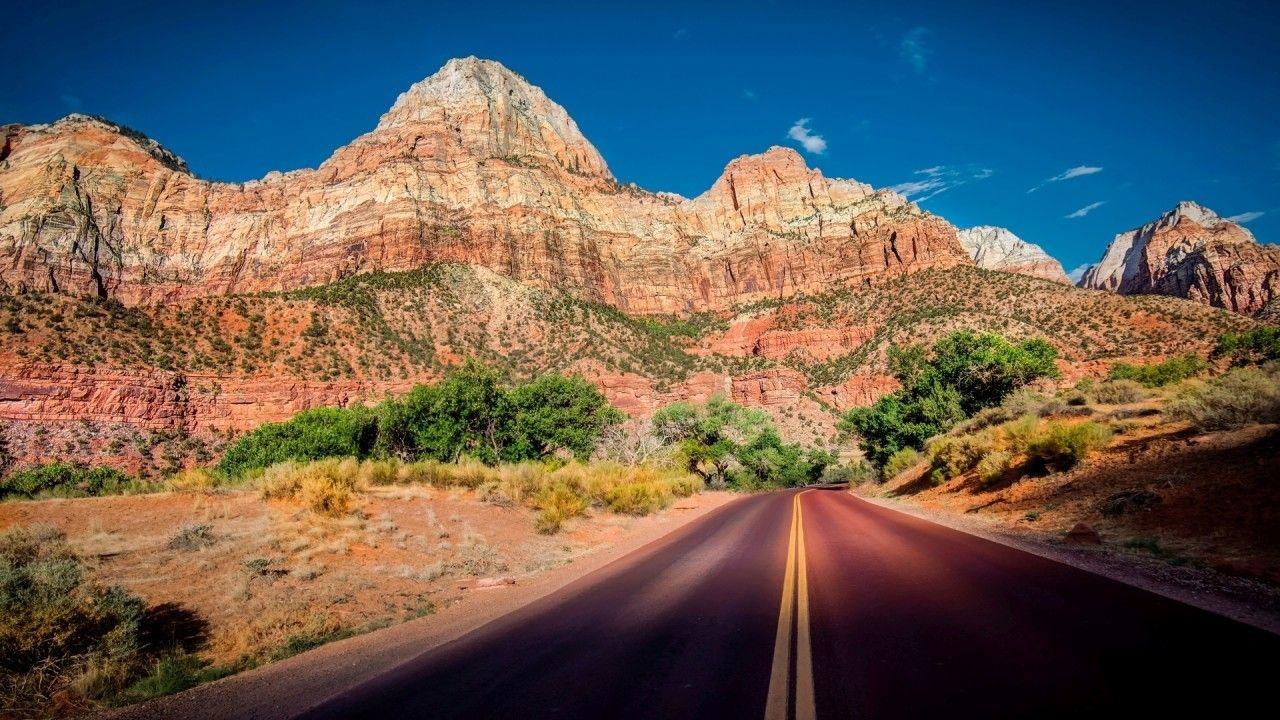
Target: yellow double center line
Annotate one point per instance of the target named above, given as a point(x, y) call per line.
point(794, 607)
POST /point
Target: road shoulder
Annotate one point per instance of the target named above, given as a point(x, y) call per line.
point(286, 688)
point(1242, 599)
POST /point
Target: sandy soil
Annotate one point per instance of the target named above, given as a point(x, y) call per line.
point(271, 571)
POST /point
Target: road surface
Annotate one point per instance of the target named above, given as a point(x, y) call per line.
point(818, 604)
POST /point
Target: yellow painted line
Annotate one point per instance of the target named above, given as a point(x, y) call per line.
point(804, 657)
point(795, 603)
point(775, 707)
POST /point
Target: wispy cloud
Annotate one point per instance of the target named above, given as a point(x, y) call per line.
point(71, 101)
point(937, 180)
point(1086, 209)
point(811, 141)
point(1075, 172)
point(680, 33)
point(1245, 217)
point(913, 48)
point(1078, 273)
point(750, 95)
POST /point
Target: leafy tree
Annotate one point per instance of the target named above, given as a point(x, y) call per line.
point(963, 373)
point(728, 444)
point(309, 435)
point(555, 412)
point(1250, 347)
point(462, 414)
point(1160, 374)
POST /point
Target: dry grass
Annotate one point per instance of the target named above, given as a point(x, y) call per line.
point(558, 493)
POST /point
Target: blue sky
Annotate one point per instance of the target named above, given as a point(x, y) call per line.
point(1113, 111)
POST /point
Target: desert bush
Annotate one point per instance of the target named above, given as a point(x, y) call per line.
point(994, 466)
point(1019, 434)
point(637, 498)
point(1173, 370)
point(1239, 397)
point(58, 628)
point(854, 473)
point(326, 486)
point(901, 461)
point(193, 537)
point(556, 504)
point(1061, 445)
point(66, 480)
point(195, 480)
point(1118, 392)
point(951, 456)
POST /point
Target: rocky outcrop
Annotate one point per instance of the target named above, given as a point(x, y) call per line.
point(471, 165)
point(1190, 252)
point(996, 248)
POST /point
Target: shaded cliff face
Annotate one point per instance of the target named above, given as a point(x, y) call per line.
point(471, 165)
point(996, 248)
point(1190, 252)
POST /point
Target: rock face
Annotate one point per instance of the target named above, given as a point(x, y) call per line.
point(471, 165)
point(996, 248)
point(1190, 252)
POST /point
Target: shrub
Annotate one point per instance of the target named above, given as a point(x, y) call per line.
point(951, 456)
point(195, 480)
point(1239, 397)
point(1250, 347)
point(1170, 371)
point(900, 462)
point(1020, 433)
point(310, 435)
point(1061, 446)
point(994, 466)
point(54, 619)
point(193, 537)
point(637, 498)
point(556, 504)
point(66, 480)
point(1118, 392)
point(327, 486)
point(854, 473)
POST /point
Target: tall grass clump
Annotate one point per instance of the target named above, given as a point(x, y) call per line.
point(327, 487)
point(1239, 397)
point(59, 630)
point(1062, 445)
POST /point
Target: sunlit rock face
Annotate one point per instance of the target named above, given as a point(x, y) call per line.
point(1192, 253)
point(996, 248)
point(474, 165)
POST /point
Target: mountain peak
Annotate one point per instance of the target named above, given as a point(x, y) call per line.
point(997, 248)
point(494, 112)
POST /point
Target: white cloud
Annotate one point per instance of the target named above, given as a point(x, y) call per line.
point(1075, 172)
point(937, 180)
point(811, 141)
point(1247, 216)
point(913, 49)
point(680, 33)
point(1078, 273)
point(750, 95)
point(1087, 209)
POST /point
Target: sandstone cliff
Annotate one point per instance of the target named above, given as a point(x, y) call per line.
point(1190, 252)
point(471, 165)
point(997, 248)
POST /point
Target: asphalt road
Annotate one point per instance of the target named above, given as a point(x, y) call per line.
point(818, 604)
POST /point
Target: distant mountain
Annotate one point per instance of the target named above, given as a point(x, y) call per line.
point(471, 165)
point(996, 248)
point(1191, 252)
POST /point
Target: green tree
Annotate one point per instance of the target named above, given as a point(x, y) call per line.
point(464, 413)
point(554, 413)
point(309, 435)
point(963, 373)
